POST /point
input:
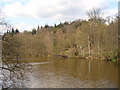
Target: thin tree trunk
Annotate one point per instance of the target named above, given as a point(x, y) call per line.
point(89, 45)
point(81, 50)
point(98, 47)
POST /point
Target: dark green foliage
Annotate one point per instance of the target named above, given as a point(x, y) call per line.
point(16, 31)
point(38, 27)
point(46, 26)
point(13, 31)
point(55, 25)
point(60, 25)
point(34, 31)
point(66, 23)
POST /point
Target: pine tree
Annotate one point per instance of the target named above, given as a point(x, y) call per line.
point(38, 27)
point(13, 31)
point(16, 31)
point(33, 31)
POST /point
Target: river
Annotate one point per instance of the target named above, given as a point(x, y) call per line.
point(72, 73)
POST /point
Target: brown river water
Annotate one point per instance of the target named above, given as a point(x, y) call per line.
point(73, 73)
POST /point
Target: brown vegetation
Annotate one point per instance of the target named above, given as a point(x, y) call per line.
point(80, 38)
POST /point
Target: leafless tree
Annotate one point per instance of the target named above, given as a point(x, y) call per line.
point(11, 72)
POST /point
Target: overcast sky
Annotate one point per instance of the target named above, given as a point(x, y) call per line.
point(27, 14)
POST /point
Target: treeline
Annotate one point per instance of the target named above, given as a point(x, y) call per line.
point(80, 38)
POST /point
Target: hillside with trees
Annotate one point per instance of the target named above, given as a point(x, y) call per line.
point(91, 38)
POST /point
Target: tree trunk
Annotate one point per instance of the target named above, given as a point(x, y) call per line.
point(98, 47)
point(89, 45)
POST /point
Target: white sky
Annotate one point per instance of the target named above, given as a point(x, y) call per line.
point(27, 14)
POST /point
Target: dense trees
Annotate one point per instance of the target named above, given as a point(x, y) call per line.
point(80, 38)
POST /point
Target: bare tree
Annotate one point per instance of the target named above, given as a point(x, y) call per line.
point(95, 20)
point(11, 73)
point(94, 14)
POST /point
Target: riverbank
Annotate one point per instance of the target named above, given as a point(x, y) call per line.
point(64, 57)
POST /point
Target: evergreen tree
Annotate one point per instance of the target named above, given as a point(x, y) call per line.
point(55, 25)
point(38, 27)
point(16, 31)
point(33, 31)
point(13, 31)
point(46, 25)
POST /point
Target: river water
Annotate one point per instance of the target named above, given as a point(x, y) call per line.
point(72, 73)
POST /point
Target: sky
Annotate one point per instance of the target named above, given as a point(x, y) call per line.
point(28, 14)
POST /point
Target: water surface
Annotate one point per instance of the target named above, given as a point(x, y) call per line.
point(73, 73)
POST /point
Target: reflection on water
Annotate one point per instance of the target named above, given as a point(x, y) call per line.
point(74, 74)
